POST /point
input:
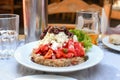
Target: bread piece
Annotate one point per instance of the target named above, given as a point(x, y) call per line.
point(114, 39)
point(63, 62)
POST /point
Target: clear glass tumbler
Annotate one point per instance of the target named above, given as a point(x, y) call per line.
point(9, 30)
point(35, 18)
point(89, 22)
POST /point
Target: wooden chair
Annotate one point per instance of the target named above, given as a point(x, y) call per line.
point(70, 7)
point(108, 8)
point(54, 1)
point(111, 13)
point(115, 14)
point(8, 6)
point(67, 6)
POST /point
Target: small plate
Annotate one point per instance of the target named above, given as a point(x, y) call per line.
point(108, 44)
point(45, 77)
point(22, 55)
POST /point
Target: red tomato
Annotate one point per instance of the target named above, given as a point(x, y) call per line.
point(44, 48)
point(65, 45)
point(71, 46)
point(48, 55)
point(82, 51)
point(60, 54)
point(69, 50)
point(79, 49)
point(37, 50)
point(69, 55)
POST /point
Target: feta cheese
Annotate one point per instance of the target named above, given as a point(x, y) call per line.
point(75, 38)
point(54, 45)
point(56, 39)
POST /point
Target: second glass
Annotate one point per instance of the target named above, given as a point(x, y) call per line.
point(9, 31)
point(88, 21)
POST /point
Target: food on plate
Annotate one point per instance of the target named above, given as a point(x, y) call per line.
point(83, 38)
point(59, 47)
point(114, 39)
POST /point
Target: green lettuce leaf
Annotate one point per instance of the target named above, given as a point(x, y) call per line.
point(82, 37)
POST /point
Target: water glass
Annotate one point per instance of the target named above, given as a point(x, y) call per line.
point(9, 30)
point(35, 18)
point(88, 21)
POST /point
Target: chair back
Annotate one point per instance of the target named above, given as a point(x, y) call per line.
point(108, 8)
point(68, 8)
point(7, 6)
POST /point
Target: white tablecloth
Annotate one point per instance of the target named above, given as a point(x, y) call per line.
point(107, 69)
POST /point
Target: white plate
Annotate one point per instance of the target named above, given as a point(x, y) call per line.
point(22, 55)
point(108, 44)
point(45, 77)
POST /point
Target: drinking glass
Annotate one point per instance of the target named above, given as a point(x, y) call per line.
point(35, 18)
point(88, 21)
point(9, 30)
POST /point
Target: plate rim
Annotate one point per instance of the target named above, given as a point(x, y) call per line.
point(71, 70)
point(106, 43)
point(45, 75)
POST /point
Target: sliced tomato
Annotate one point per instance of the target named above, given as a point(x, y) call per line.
point(71, 46)
point(65, 45)
point(48, 55)
point(37, 50)
point(60, 54)
point(82, 51)
point(63, 55)
point(69, 55)
point(79, 49)
point(44, 48)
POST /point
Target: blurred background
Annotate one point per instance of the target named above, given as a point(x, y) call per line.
point(15, 6)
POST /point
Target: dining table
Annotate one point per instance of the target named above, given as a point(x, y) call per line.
point(107, 69)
